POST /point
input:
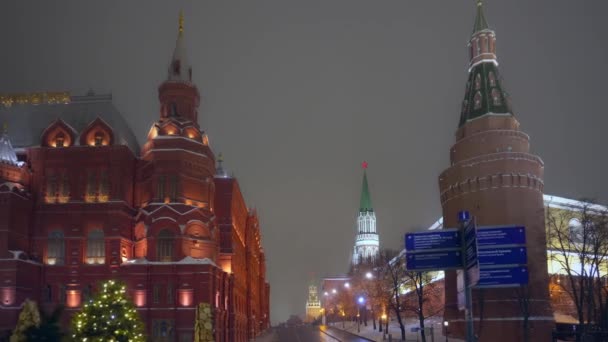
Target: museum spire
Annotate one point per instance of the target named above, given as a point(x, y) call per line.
point(179, 68)
point(365, 203)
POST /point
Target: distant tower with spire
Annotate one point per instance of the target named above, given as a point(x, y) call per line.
point(494, 176)
point(366, 242)
point(313, 304)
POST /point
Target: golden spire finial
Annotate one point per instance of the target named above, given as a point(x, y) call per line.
point(479, 3)
point(181, 22)
point(220, 158)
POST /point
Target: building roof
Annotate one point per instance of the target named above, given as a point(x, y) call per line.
point(484, 85)
point(28, 121)
point(366, 200)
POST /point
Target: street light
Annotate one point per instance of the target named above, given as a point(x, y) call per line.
point(383, 319)
point(368, 275)
point(326, 294)
point(446, 324)
point(361, 301)
point(334, 291)
point(347, 285)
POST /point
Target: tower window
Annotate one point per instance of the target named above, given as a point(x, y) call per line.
point(477, 100)
point(176, 67)
point(60, 139)
point(496, 97)
point(56, 248)
point(160, 189)
point(492, 79)
point(477, 82)
point(96, 253)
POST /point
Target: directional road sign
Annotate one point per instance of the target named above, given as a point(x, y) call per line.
point(502, 256)
point(496, 236)
point(471, 260)
point(503, 277)
point(433, 261)
point(443, 239)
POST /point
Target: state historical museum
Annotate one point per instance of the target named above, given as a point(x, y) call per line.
point(80, 202)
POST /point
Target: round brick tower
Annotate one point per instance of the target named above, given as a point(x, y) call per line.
point(495, 177)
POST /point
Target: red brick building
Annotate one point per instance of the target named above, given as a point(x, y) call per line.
point(81, 203)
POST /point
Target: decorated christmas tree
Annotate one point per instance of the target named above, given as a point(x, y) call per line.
point(203, 326)
point(29, 317)
point(109, 316)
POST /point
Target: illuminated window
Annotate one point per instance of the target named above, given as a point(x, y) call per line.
point(104, 186)
point(56, 248)
point(164, 246)
point(51, 187)
point(98, 139)
point(64, 189)
point(91, 189)
point(176, 67)
point(96, 253)
point(60, 139)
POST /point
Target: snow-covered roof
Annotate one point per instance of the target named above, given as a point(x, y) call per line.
point(28, 121)
point(7, 153)
point(185, 261)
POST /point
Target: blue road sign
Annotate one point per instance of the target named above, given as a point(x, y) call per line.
point(433, 261)
point(495, 236)
point(471, 262)
point(502, 256)
point(503, 277)
point(444, 239)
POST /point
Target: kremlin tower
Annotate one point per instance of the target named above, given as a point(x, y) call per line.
point(366, 242)
point(494, 176)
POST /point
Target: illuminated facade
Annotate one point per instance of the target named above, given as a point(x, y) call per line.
point(313, 304)
point(80, 202)
point(367, 242)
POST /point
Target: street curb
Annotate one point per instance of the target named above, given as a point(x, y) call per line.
point(335, 338)
point(350, 333)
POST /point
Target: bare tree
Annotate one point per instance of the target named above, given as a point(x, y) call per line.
point(419, 299)
point(578, 244)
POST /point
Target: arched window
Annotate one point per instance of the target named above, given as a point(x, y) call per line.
point(496, 97)
point(60, 139)
point(160, 188)
point(477, 100)
point(56, 248)
point(164, 246)
point(477, 82)
point(575, 228)
point(492, 79)
point(96, 252)
point(98, 138)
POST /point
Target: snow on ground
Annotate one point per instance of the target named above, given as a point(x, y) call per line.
point(393, 329)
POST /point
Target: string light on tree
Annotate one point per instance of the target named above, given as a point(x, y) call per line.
point(110, 316)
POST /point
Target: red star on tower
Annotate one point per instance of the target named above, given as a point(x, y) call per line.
point(364, 165)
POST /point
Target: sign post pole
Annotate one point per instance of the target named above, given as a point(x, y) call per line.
point(464, 218)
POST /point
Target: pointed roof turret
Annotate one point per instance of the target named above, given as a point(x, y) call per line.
point(366, 200)
point(480, 19)
point(7, 153)
point(484, 94)
point(219, 170)
point(179, 68)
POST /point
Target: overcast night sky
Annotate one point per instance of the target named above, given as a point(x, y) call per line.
point(297, 93)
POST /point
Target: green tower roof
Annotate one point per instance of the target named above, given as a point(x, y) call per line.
point(480, 19)
point(366, 199)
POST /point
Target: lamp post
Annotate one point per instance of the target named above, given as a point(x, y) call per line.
point(361, 301)
point(445, 325)
point(383, 319)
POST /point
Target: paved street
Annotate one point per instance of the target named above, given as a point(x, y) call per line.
point(307, 333)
